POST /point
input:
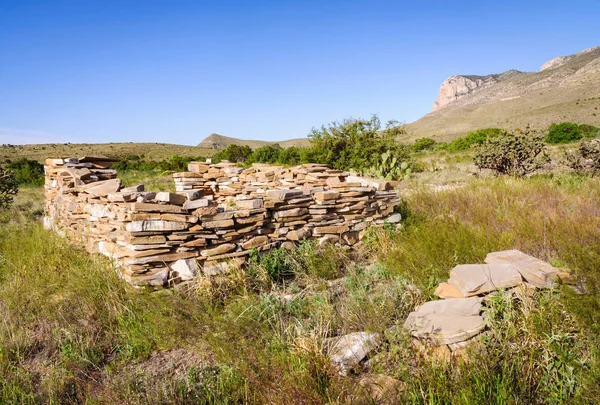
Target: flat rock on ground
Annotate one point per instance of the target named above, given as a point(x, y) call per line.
point(535, 271)
point(442, 329)
point(477, 279)
point(349, 350)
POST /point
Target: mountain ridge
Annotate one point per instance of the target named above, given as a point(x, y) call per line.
point(216, 141)
point(566, 88)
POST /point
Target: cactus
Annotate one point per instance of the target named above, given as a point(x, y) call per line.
point(389, 168)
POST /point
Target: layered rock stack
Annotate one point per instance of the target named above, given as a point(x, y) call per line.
point(452, 322)
point(218, 215)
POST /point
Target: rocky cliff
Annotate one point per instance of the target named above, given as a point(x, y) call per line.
point(456, 87)
point(566, 88)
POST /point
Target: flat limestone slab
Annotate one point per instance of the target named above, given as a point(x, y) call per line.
point(102, 188)
point(443, 329)
point(452, 306)
point(477, 279)
point(349, 350)
point(445, 290)
point(537, 272)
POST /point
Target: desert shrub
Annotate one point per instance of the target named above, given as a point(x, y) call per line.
point(233, 153)
point(265, 154)
point(518, 153)
point(589, 131)
point(356, 143)
point(423, 144)
point(290, 156)
point(586, 159)
point(473, 138)
point(563, 133)
point(26, 171)
point(8, 188)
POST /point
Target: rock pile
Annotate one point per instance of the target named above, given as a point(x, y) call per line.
point(457, 317)
point(219, 213)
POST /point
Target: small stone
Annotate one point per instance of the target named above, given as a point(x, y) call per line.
point(186, 269)
point(198, 203)
point(219, 250)
point(394, 219)
point(249, 204)
point(439, 329)
point(170, 198)
point(349, 350)
point(155, 226)
point(445, 290)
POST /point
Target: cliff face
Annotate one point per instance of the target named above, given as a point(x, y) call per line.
point(456, 87)
point(566, 88)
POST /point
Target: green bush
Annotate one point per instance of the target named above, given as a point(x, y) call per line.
point(423, 144)
point(563, 133)
point(8, 188)
point(290, 156)
point(265, 154)
point(473, 138)
point(26, 171)
point(356, 143)
point(516, 154)
point(233, 153)
point(137, 163)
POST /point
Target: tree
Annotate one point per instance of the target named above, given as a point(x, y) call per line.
point(518, 153)
point(265, 154)
point(356, 143)
point(233, 153)
point(8, 188)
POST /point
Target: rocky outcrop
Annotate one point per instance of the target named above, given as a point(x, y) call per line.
point(566, 89)
point(456, 87)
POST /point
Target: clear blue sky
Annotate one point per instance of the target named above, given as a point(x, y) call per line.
point(175, 71)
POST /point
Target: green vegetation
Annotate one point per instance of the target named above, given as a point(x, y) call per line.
point(233, 153)
point(389, 168)
point(356, 143)
point(73, 332)
point(8, 188)
point(27, 172)
point(518, 153)
point(568, 132)
point(586, 159)
point(474, 138)
point(175, 163)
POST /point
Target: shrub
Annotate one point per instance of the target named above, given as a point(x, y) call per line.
point(356, 143)
point(589, 131)
point(563, 133)
point(265, 154)
point(8, 188)
point(423, 144)
point(290, 156)
point(517, 153)
point(587, 158)
point(27, 171)
point(233, 153)
point(474, 138)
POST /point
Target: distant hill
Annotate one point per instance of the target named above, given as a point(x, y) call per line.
point(151, 151)
point(216, 141)
point(567, 88)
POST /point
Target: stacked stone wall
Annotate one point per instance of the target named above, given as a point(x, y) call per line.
point(218, 215)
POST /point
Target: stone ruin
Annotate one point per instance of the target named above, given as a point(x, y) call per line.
point(219, 213)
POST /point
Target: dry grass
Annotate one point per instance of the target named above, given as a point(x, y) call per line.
point(153, 151)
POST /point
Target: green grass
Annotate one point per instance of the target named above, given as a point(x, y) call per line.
point(73, 332)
